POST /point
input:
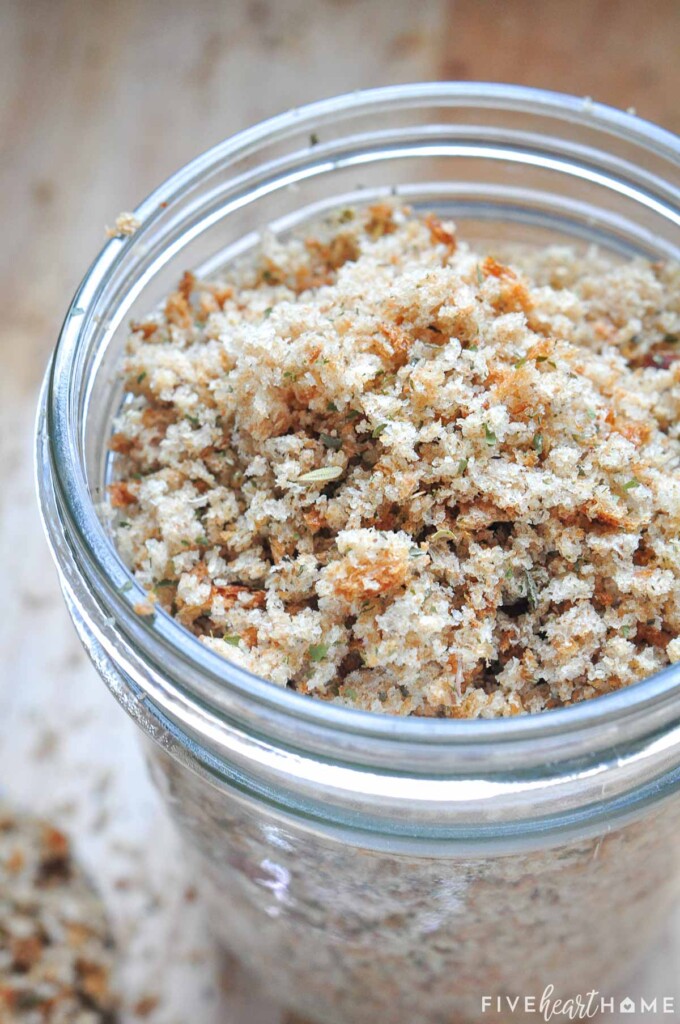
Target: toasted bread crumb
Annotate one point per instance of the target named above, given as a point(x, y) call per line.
point(58, 954)
point(451, 475)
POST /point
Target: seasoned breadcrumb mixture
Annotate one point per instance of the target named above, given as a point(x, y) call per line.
point(383, 469)
point(56, 948)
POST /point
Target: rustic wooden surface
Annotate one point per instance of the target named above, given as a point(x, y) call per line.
point(101, 100)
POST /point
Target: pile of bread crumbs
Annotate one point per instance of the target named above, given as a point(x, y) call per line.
point(56, 948)
point(383, 469)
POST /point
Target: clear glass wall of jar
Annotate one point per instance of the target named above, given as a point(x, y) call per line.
point(364, 866)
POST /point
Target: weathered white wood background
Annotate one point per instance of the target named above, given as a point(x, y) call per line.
point(99, 101)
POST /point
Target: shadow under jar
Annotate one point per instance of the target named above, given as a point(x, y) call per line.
point(366, 867)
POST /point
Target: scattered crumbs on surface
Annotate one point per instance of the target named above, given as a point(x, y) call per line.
point(47, 745)
point(145, 1005)
point(58, 951)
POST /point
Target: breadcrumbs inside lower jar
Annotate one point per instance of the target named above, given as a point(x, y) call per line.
point(381, 468)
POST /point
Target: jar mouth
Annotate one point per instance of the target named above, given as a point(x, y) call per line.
point(175, 660)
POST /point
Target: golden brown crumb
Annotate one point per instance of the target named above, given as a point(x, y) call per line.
point(145, 1006)
point(120, 494)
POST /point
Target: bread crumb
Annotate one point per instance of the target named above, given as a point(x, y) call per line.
point(58, 956)
point(145, 1006)
point(126, 225)
point(382, 468)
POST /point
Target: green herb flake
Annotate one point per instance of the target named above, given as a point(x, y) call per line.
point(331, 442)
point(164, 583)
point(332, 407)
point(203, 541)
point(322, 475)
point(193, 420)
point(126, 587)
point(591, 414)
point(354, 414)
point(472, 348)
point(625, 631)
point(232, 639)
point(380, 429)
point(489, 435)
point(520, 363)
point(313, 139)
point(532, 593)
point(480, 275)
point(630, 484)
point(462, 466)
point(141, 376)
point(538, 442)
point(317, 652)
point(268, 311)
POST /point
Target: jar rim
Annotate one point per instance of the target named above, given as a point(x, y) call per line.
point(66, 499)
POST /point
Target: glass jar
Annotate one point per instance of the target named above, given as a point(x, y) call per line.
point(366, 867)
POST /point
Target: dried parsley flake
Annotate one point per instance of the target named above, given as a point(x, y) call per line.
point(317, 652)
